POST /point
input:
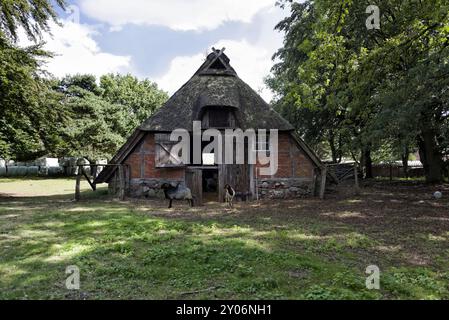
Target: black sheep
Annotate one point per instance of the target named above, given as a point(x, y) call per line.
point(179, 192)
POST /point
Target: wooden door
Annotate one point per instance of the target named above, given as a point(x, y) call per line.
point(237, 176)
point(194, 181)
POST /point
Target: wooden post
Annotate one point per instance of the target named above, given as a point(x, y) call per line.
point(252, 182)
point(128, 179)
point(323, 182)
point(121, 174)
point(257, 182)
point(77, 187)
point(314, 177)
point(356, 179)
point(94, 170)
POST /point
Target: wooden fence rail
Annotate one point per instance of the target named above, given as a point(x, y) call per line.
point(122, 184)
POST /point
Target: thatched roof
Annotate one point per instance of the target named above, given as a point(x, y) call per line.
point(215, 84)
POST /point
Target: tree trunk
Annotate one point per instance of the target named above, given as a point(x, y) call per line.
point(331, 141)
point(445, 171)
point(340, 152)
point(405, 161)
point(431, 157)
point(93, 172)
point(368, 163)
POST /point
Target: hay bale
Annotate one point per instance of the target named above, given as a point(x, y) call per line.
point(3, 172)
point(22, 171)
point(83, 161)
point(17, 171)
point(100, 165)
point(55, 171)
point(47, 162)
point(2, 163)
point(69, 166)
point(32, 171)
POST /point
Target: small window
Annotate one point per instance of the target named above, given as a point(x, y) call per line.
point(219, 118)
point(208, 159)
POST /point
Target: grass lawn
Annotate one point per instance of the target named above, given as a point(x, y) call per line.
point(296, 249)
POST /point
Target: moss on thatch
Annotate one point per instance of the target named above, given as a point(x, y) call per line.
point(214, 90)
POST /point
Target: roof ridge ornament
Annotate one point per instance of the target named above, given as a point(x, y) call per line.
point(218, 52)
point(217, 63)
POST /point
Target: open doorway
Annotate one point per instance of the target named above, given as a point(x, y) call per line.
point(210, 185)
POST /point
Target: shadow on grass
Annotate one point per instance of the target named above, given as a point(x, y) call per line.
point(294, 249)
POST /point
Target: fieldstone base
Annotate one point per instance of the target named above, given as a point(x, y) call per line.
point(280, 188)
point(147, 188)
point(286, 188)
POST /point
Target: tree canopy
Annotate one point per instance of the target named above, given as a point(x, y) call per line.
point(104, 115)
point(356, 92)
point(75, 116)
point(31, 15)
point(27, 118)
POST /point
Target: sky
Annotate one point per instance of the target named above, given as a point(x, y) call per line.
point(165, 40)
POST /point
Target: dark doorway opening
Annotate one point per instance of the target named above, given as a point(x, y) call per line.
point(210, 185)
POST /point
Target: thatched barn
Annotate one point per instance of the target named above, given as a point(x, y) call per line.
point(217, 97)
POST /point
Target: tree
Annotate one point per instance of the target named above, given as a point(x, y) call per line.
point(368, 88)
point(103, 116)
point(28, 118)
point(72, 116)
point(138, 98)
point(31, 15)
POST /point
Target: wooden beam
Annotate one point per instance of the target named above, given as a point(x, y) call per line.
point(356, 179)
point(252, 182)
point(128, 179)
point(311, 154)
point(314, 182)
point(219, 53)
point(92, 185)
point(323, 182)
point(77, 186)
point(121, 177)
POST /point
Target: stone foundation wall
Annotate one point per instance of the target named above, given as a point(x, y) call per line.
point(149, 188)
point(279, 188)
point(285, 188)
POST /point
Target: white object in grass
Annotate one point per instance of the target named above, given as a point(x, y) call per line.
point(437, 195)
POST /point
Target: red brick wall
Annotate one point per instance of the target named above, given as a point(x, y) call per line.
point(292, 161)
point(134, 163)
point(145, 154)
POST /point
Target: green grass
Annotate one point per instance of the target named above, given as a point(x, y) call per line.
point(302, 249)
point(36, 187)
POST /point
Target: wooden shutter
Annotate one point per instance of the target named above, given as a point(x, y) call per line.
point(165, 158)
